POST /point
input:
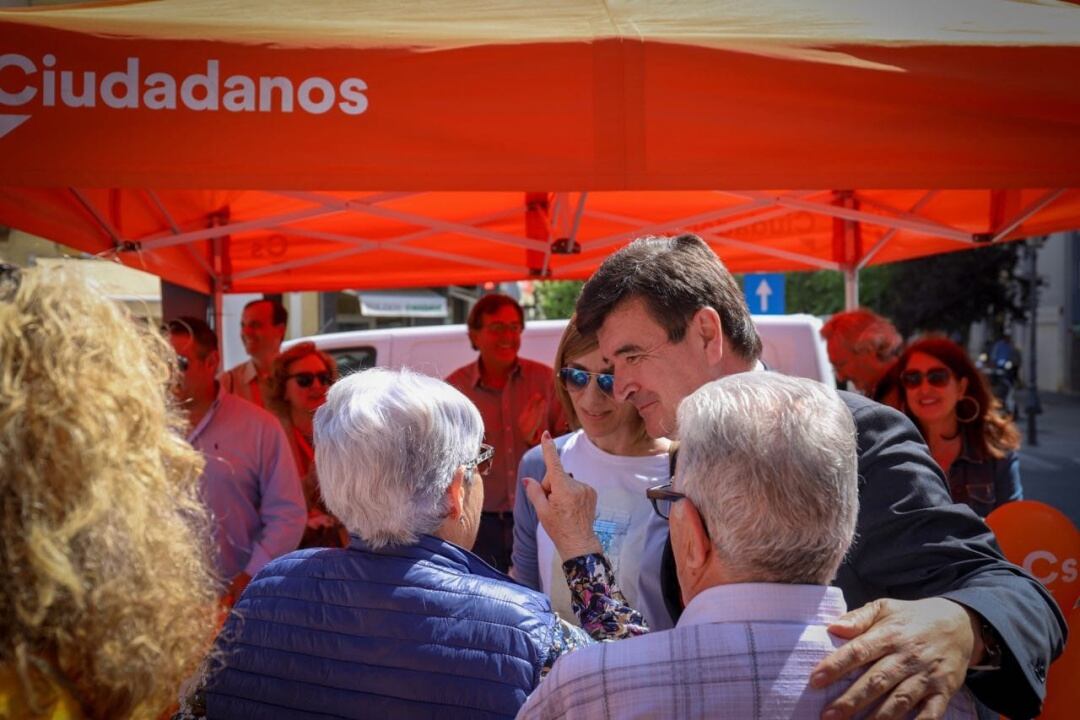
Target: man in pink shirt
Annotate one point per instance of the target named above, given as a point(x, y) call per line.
point(516, 398)
point(262, 328)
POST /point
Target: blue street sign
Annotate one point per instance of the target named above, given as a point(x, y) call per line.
point(764, 293)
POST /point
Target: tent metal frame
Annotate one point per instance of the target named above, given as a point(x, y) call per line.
point(564, 218)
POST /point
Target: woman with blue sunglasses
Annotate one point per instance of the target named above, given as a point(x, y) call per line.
point(610, 450)
point(974, 443)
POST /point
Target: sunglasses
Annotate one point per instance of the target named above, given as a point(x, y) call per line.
point(484, 460)
point(577, 380)
point(305, 379)
point(938, 377)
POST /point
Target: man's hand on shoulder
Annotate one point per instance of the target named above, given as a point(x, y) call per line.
point(915, 655)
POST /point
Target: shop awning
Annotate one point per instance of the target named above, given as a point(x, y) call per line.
point(403, 303)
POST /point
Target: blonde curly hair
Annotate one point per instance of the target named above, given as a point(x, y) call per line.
point(106, 573)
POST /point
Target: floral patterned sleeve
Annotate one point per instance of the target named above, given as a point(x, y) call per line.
point(598, 601)
point(566, 637)
point(599, 605)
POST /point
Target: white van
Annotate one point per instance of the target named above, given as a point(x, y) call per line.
point(793, 345)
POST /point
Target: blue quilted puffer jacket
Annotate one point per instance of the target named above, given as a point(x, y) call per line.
point(428, 630)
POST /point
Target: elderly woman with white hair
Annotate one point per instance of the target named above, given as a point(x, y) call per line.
point(405, 621)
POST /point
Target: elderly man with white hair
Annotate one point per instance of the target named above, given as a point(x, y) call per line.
point(863, 347)
point(762, 508)
point(405, 622)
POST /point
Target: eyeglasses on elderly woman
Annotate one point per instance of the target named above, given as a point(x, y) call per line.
point(483, 461)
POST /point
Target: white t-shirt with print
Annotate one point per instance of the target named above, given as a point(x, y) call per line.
point(631, 533)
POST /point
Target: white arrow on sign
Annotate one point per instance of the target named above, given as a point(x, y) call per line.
point(10, 122)
point(763, 292)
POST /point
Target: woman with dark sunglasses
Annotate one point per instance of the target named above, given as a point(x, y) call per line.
point(973, 442)
point(610, 450)
point(301, 377)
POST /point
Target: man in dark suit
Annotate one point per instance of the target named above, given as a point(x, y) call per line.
point(940, 606)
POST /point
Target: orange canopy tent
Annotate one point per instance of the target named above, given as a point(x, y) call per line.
point(276, 145)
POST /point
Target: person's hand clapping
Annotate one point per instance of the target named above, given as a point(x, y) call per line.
point(566, 508)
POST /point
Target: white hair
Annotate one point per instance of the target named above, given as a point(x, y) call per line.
point(770, 462)
point(387, 443)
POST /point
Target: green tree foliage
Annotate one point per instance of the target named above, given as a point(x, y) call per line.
point(557, 298)
point(816, 293)
point(822, 293)
point(939, 293)
point(947, 293)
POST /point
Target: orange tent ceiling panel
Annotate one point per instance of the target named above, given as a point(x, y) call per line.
point(281, 145)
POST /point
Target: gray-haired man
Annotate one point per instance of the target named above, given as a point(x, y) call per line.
point(862, 347)
point(762, 509)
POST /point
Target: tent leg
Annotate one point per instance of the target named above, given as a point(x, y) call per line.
point(218, 290)
point(851, 288)
point(218, 309)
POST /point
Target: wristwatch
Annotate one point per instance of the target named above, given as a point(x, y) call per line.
point(991, 659)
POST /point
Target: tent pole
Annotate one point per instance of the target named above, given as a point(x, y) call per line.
point(1034, 406)
point(851, 287)
point(217, 280)
point(848, 242)
point(219, 294)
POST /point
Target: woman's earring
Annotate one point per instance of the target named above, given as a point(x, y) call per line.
point(975, 410)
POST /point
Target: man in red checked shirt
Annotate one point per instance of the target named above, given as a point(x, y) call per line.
point(516, 398)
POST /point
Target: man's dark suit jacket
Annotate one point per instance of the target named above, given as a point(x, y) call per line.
point(912, 542)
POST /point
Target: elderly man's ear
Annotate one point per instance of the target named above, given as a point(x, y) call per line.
point(696, 559)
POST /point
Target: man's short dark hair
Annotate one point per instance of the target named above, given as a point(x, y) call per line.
point(675, 277)
point(278, 314)
point(200, 333)
point(490, 304)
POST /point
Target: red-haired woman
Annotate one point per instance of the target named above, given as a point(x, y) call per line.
point(949, 401)
point(301, 376)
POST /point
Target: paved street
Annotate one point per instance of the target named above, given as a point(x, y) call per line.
point(1050, 471)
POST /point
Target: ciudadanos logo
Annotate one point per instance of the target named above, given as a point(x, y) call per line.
point(26, 82)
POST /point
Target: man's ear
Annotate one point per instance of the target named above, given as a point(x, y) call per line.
point(456, 493)
point(472, 338)
point(213, 359)
point(695, 545)
point(706, 325)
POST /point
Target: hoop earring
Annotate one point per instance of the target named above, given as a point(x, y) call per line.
point(974, 413)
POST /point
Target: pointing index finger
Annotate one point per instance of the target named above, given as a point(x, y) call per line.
point(551, 456)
